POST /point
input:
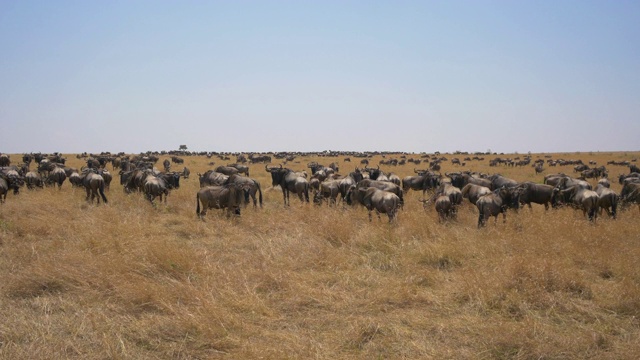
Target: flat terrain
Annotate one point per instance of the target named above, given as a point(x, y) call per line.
point(130, 280)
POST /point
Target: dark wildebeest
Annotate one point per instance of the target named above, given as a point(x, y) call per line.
point(186, 172)
point(227, 170)
point(564, 181)
point(289, 181)
point(227, 196)
point(328, 190)
point(167, 165)
point(473, 192)
point(607, 200)
point(535, 193)
point(494, 204)
point(94, 184)
point(106, 175)
point(381, 201)
point(498, 181)
point(242, 169)
point(33, 180)
point(579, 198)
point(211, 177)
point(154, 187)
point(461, 179)
point(352, 179)
point(75, 179)
point(424, 181)
point(5, 160)
point(630, 193)
point(382, 185)
point(250, 186)
point(444, 207)
point(56, 176)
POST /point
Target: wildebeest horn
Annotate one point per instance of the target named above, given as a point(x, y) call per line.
point(378, 167)
point(280, 166)
point(266, 167)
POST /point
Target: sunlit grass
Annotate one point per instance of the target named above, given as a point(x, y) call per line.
point(132, 280)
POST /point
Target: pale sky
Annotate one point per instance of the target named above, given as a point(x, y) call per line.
point(132, 76)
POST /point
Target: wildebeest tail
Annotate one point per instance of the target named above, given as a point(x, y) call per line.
point(198, 204)
point(259, 193)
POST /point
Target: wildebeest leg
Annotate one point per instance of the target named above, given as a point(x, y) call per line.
point(504, 217)
point(88, 194)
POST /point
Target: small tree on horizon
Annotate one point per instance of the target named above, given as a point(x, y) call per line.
point(183, 147)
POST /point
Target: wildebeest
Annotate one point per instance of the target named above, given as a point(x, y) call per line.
point(381, 201)
point(498, 181)
point(563, 181)
point(461, 179)
point(289, 181)
point(186, 172)
point(227, 170)
point(167, 165)
point(33, 180)
point(227, 196)
point(56, 176)
point(5, 160)
point(250, 186)
point(530, 192)
point(345, 183)
point(328, 190)
point(75, 180)
point(424, 181)
point(454, 194)
point(382, 185)
point(579, 198)
point(211, 177)
point(242, 169)
point(607, 200)
point(94, 184)
point(473, 192)
point(160, 184)
point(494, 204)
point(106, 175)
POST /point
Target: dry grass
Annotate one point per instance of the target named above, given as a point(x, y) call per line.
point(132, 281)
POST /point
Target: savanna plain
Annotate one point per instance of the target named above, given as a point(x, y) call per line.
point(132, 280)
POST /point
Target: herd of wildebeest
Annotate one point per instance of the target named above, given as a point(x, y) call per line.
point(230, 187)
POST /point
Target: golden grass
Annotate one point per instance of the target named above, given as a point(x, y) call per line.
point(133, 281)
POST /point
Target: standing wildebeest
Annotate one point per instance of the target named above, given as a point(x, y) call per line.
point(227, 196)
point(289, 181)
point(494, 204)
point(56, 176)
point(75, 179)
point(186, 172)
point(157, 185)
point(5, 160)
point(328, 190)
point(473, 192)
point(424, 181)
point(94, 184)
point(375, 199)
point(33, 180)
point(579, 198)
point(444, 207)
point(106, 175)
point(498, 181)
point(250, 186)
point(345, 183)
point(167, 165)
point(382, 185)
point(607, 200)
point(535, 193)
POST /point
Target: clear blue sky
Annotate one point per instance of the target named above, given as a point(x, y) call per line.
point(132, 76)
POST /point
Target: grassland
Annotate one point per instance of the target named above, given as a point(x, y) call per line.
point(129, 280)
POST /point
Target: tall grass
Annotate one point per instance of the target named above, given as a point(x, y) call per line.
point(133, 280)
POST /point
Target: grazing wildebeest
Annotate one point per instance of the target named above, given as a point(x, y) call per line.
point(381, 201)
point(94, 184)
point(494, 204)
point(289, 181)
point(167, 165)
point(227, 196)
point(106, 175)
point(345, 183)
point(579, 198)
point(160, 184)
point(607, 200)
point(186, 172)
point(382, 185)
point(530, 192)
point(75, 179)
point(473, 192)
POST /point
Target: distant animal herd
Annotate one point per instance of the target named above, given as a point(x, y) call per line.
point(230, 187)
